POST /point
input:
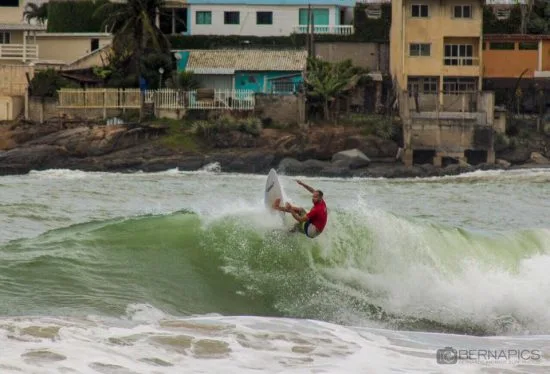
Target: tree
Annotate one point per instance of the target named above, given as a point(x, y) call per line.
point(38, 12)
point(135, 32)
point(327, 81)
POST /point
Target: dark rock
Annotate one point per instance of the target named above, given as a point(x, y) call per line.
point(33, 157)
point(235, 139)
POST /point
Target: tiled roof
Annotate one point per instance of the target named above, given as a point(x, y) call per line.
point(247, 60)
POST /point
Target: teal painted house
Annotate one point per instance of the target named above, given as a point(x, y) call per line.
point(278, 72)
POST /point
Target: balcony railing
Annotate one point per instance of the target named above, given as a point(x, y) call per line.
point(461, 61)
point(326, 29)
point(19, 52)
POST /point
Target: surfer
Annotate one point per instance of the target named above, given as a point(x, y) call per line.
point(313, 223)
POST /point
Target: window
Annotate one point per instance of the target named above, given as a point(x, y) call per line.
point(373, 11)
point(502, 46)
point(203, 18)
point(94, 44)
point(264, 18)
point(9, 3)
point(4, 37)
point(502, 14)
point(425, 85)
point(418, 49)
point(459, 54)
point(462, 11)
point(419, 10)
point(458, 85)
point(231, 18)
point(173, 21)
point(529, 46)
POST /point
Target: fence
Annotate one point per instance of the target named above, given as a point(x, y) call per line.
point(165, 99)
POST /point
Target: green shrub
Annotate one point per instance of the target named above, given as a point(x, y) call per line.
point(224, 123)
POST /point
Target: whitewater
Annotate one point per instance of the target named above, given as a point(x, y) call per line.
point(186, 272)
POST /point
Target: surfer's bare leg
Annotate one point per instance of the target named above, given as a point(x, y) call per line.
point(276, 205)
point(296, 209)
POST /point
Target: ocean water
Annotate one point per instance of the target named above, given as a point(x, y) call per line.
point(186, 272)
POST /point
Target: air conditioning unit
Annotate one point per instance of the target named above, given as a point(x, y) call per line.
point(373, 12)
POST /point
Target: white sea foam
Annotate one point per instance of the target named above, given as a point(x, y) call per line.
point(148, 341)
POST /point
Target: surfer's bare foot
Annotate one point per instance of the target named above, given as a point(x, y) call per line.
point(276, 204)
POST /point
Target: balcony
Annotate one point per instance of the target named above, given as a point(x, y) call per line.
point(326, 29)
point(460, 61)
point(28, 52)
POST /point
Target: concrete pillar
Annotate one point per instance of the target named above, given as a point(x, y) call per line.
point(491, 156)
point(408, 157)
point(438, 161)
point(378, 102)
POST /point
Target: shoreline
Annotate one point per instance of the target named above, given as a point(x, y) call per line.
point(340, 152)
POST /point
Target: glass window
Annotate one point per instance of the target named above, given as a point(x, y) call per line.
point(231, 18)
point(459, 54)
point(419, 49)
point(203, 18)
point(529, 46)
point(462, 11)
point(9, 3)
point(264, 18)
point(419, 10)
point(4, 37)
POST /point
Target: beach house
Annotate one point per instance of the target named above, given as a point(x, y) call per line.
point(261, 71)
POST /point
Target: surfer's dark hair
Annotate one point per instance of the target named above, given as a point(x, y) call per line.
point(320, 193)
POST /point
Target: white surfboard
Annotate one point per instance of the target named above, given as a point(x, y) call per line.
point(274, 190)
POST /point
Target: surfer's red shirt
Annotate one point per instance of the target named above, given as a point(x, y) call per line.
point(318, 215)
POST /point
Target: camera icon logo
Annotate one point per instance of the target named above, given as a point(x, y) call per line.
point(447, 356)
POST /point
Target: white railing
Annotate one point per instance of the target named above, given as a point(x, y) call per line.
point(165, 99)
point(19, 52)
point(461, 61)
point(99, 98)
point(327, 29)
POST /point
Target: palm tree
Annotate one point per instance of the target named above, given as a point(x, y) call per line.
point(327, 81)
point(135, 32)
point(38, 12)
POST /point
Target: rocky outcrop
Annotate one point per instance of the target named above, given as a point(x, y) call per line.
point(537, 158)
point(329, 151)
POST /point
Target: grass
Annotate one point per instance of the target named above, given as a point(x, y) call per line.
point(372, 124)
point(178, 135)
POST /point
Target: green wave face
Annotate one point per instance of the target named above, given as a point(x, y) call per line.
point(364, 269)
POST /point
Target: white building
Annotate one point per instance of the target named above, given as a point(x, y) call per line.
point(268, 17)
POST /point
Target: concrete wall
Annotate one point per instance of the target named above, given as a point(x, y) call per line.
point(41, 112)
point(285, 18)
point(284, 110)
point(516, 62)
point(11, 107)
point(10, 14)
point(13, 81)
point(448, 132)
point(68, 47)
point(373, 56)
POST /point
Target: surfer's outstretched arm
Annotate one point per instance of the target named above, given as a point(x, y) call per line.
point(309, 188)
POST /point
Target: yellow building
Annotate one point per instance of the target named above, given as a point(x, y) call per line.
point(435, 46)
